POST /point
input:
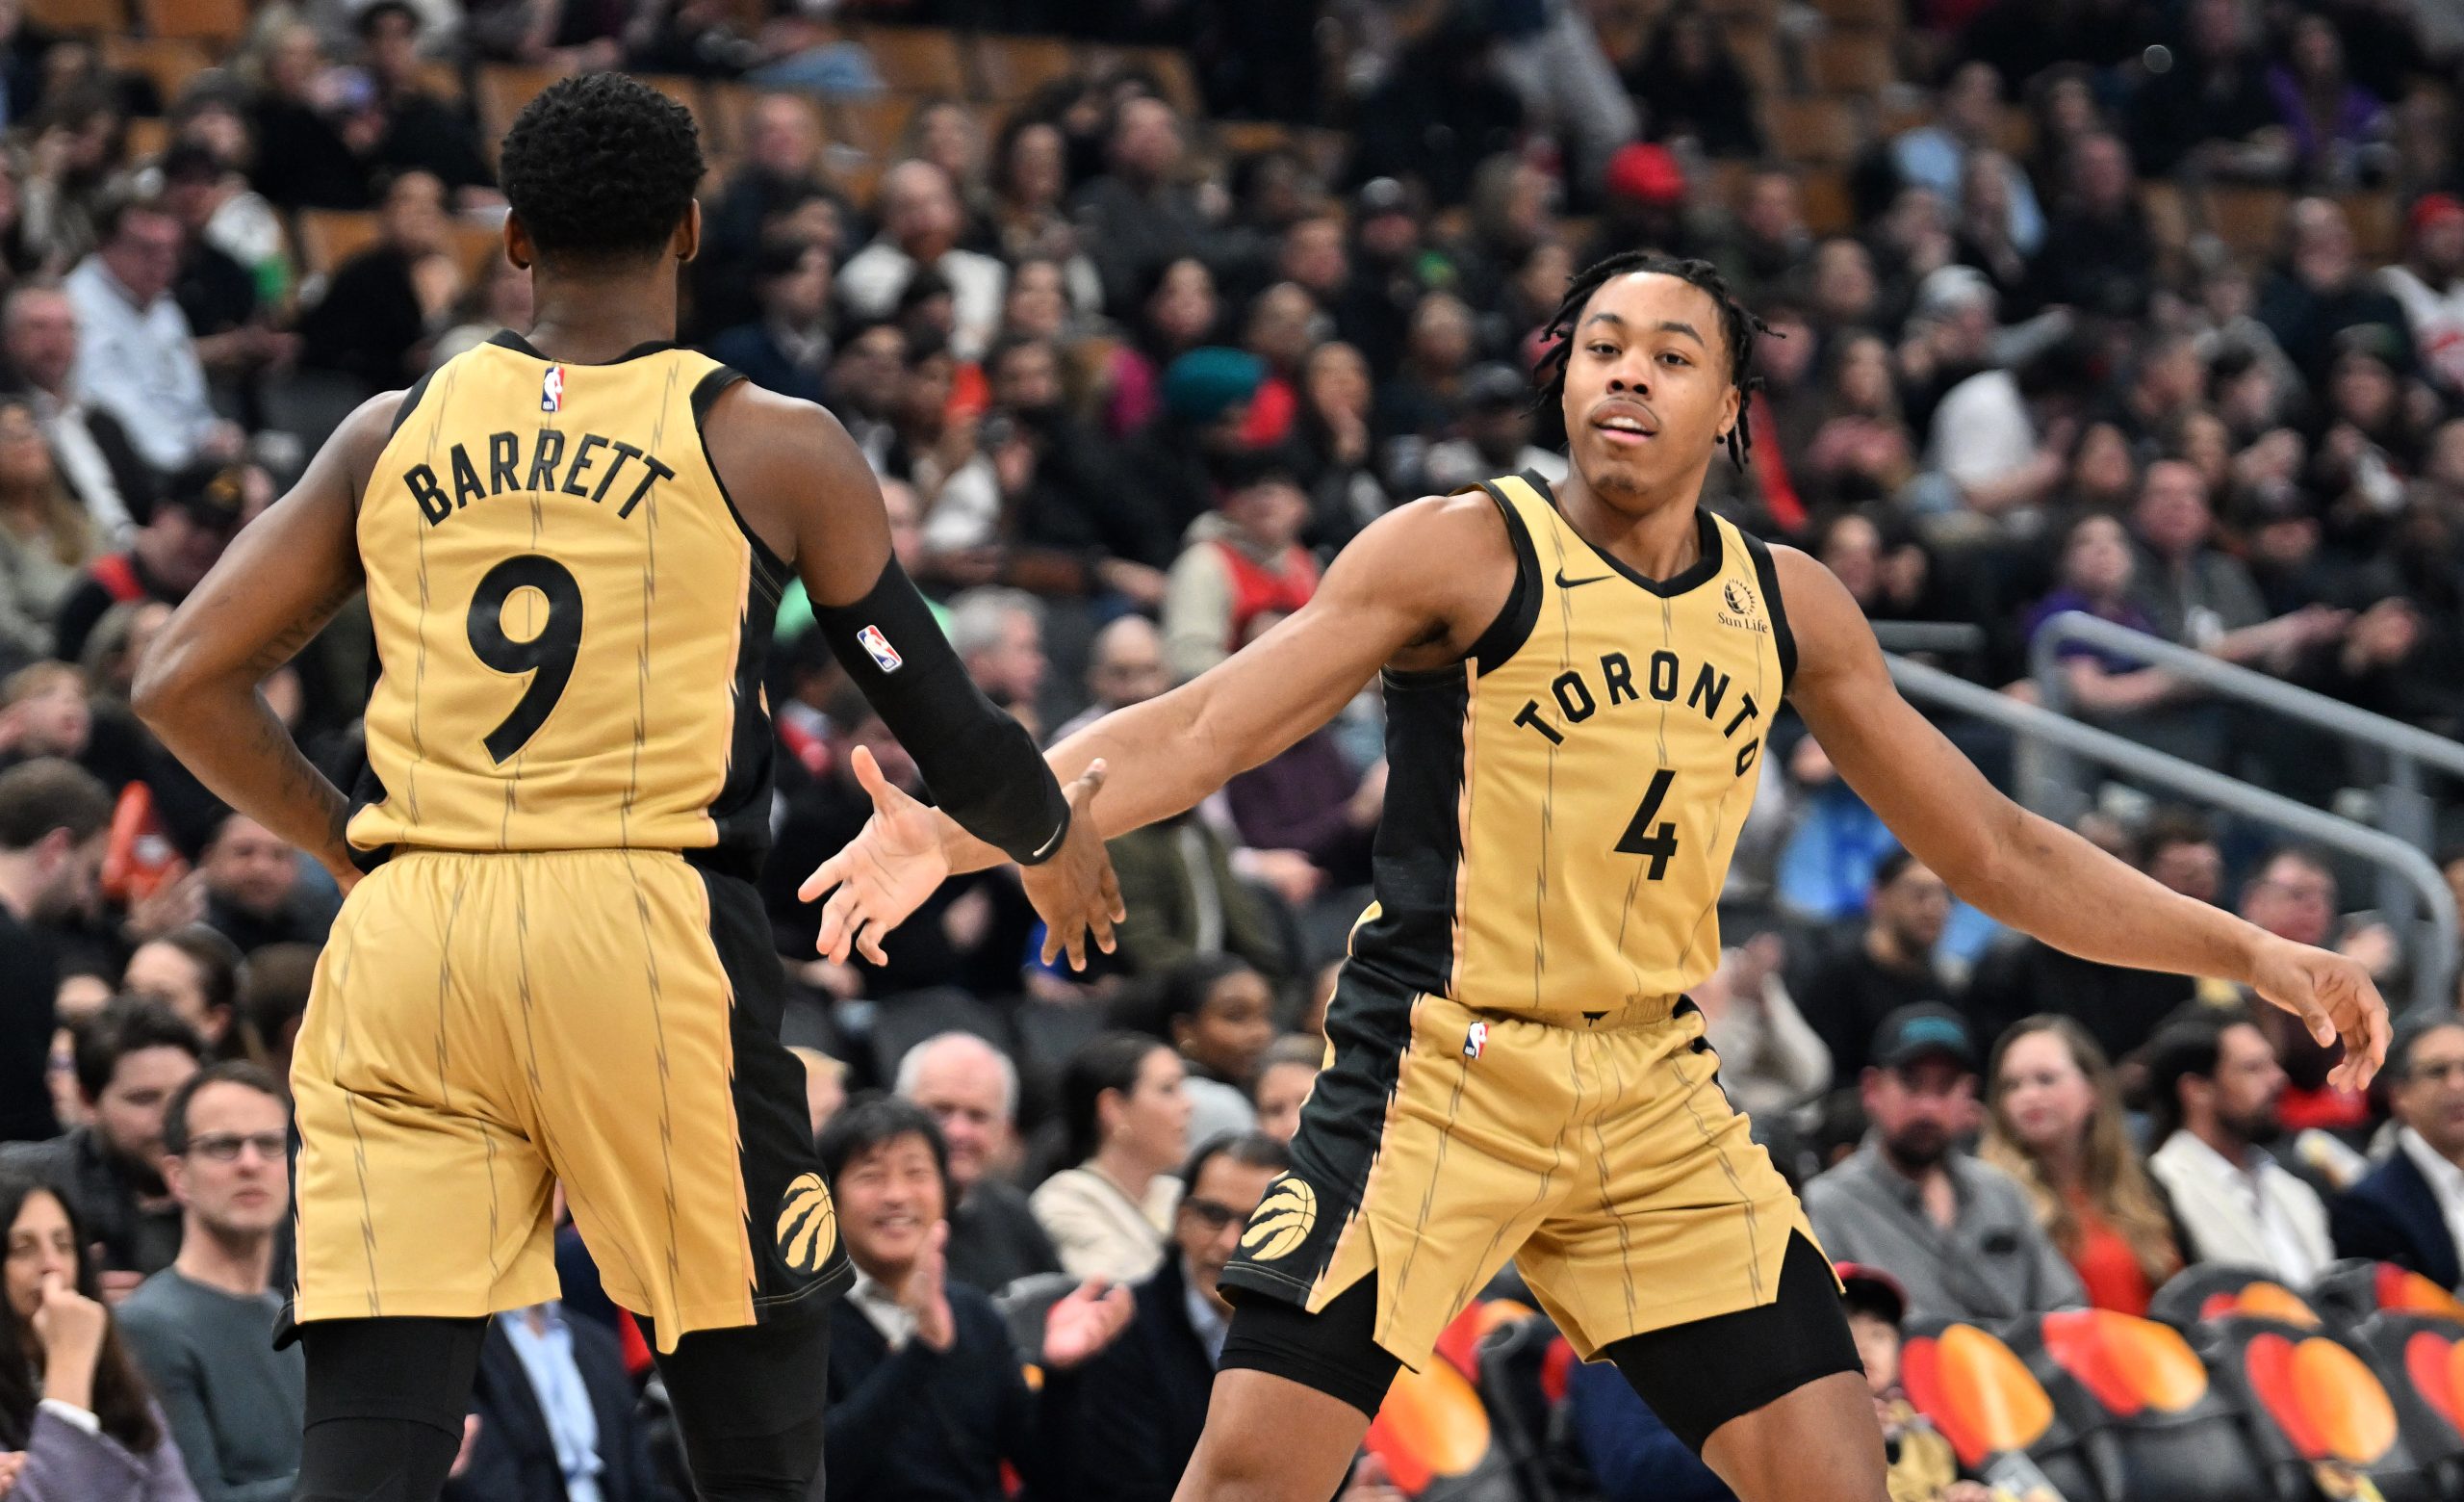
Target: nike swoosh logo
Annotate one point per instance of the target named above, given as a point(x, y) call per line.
point(1046, 848)
point(1564, 583)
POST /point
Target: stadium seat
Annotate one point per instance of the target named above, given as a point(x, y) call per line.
point(2411, 1331)
point(78, 15)
point(169, 63)
point(2169, 1434)
point(2209, 1290)
point(147, 136)
point(1850, 62)
point(218, 22)
point(1168, 67)
point(1009, 69)
point(874, 126)
point(918, 59)
point(1025, 1303)
point(2315, 1410)
point(2378, 222)
point(1757, 48)
point(2249, 219)
point(330, 237)
point(1988, 1404)
point(1435, 1436)
point(1830, 205)
point(445, 80)
point(1823, 130)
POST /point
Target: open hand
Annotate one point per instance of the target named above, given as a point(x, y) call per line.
point(1076, 891)
point(885, 873)
point(1088, 1318)
point(2335, 997)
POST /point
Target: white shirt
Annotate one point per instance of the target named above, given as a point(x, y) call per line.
point(2436, 315)
point(878, 1305)
point(82, 464)
point(2258, 1214)
point(139, 364)
point(873, 278)
point(1982, 431)
point(2446, 1180)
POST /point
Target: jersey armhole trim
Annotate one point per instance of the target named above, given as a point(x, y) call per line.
point(1505, 635)
point(410, 401)
point(1766, 573)
point(768, 567)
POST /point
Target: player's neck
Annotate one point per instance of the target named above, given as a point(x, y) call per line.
point(1659, 541)
point(599, 321)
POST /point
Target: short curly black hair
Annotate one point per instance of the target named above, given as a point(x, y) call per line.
point(601, 168)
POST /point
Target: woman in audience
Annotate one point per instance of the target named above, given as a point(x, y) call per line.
point(1285, 1078)
point(1128, 1125)
point(2095, 580)
point(1219, 1012)
point(76, 1422)
point(1178, 314)
point(194, 970)
point(2055, 1124)
point(45, 537)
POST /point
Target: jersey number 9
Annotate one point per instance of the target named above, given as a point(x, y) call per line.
point(547, 657)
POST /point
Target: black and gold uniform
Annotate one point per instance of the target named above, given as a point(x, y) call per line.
point(557, 969)
point(1513, 1070)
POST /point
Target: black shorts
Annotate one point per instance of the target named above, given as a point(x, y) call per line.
point(1695, 1376)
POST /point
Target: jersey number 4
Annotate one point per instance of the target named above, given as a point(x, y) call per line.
point(547, 657)
point(1641, 838)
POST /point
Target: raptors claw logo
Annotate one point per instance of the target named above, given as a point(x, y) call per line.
point(1282, 1221)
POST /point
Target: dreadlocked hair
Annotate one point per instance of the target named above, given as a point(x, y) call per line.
point(1738, 327)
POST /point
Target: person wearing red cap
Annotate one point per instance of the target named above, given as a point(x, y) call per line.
point(1922, 1467)
point(2430, 284)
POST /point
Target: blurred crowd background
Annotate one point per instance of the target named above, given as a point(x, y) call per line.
point(2148, 309)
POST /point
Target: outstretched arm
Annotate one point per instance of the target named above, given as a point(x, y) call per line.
point(2026, 870)
point(1416, 589)
point(277, 585)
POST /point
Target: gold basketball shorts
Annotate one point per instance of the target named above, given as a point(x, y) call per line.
point(484, 1025)
point(1596, 1150)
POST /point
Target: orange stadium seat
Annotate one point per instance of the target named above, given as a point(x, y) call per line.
point(917, 60)
point(1831, 209)
point(330, 237)
point(1757, 46)
point(78, 15)
point(873, 126)
point(217, 21)
point(169, 63)
point(147, 136)
point(1009, 69)
point(503, 89)
point(1824, 129)
point(1846, 61)
point(2249, 219)
point(443, 80)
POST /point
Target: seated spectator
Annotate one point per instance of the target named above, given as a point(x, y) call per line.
point(44, 536)
point(2196, 594)
point(2098, 254)
point(1690, 87)
point(781, 169)
point(2000, 436)
point(2428, 284)
point(1307, 818)
point(2097, 570)
point(1967, 122)
point(1207, 395)
point(1126, 1120)
point(2336, 128)
point(971, 1089)
point(2293, 895)
point(787, 348)
point(927, 1395)
point(998, 635)
point(1124, 667)
point(194, 970)
point(2210, 109)
point(304, 125)
point(1286, 1076)
point(1496, 435)
point(1218, 1013)
point(2054, 1122)
point(131, 1058)
point(1184, 898)
point(1143, 1398)
point(1029, 220)
point(137, 356)
point(1771, 1058)
point(256, 890)
point(201, 510)
point(2213, 1084)
point(54, 819)
point(417, 132)
point(91, 452)
point(1139, 214)
point(223, 298)
point(73, 1407)
point(2319, 290)
point(202, 1330)
point(1890, 967)
point(1176, 313)
point(2409, 1210)
point(1629, 1451)
point(1958, 1233)
point(1923, 1469)
point(1330, 435)
point(1240, 562)
point(920, 227)
point(374, 321)
point(555, 1409)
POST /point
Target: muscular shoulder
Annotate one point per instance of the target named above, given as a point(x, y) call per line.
point(1831, 631)
point(1445, 561)
point(773, 450)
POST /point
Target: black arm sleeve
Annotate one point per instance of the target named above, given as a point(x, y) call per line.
point(980, 764)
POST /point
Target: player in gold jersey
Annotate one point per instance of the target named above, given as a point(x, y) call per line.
point(1577, 683)
point(556, 971)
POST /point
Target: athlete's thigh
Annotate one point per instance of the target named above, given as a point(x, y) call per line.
point(1269, 1439)
point(1680, 1216)
point(418, 1192)
point(1818, 1442)
point(666, 1104)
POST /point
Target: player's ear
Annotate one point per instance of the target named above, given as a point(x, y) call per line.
point(687, 242)
point(517, 243)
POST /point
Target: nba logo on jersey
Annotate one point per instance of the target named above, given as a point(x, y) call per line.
point(1476, 1039)
point(879, 646)
point(552, 390)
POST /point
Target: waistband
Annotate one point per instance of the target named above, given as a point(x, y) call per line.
point(717, 860)
point(1635, 1012)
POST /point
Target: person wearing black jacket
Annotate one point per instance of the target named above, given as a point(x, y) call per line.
point(1142, 1401)
point(927, 1397)
point(531, 1397)
point(2399, 1212)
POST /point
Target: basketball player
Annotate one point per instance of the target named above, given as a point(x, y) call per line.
point(1579, 684)
point(557, 969)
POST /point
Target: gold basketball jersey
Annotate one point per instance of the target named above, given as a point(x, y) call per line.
point(1562, 806)
point(569, 615)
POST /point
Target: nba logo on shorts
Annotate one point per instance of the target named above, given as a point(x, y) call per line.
point(1476, 1039)
point(879, 646)
point(552, 390)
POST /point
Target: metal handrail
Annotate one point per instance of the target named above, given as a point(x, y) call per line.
point(1950, 638)
point(2403, 809)
point(2435, 947)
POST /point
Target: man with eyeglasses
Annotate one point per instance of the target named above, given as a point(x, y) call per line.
point(2410, 1210)
point(203, 1327)
point(1142, 1401)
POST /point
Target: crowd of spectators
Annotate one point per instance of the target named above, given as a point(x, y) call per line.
point(1134, 354)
